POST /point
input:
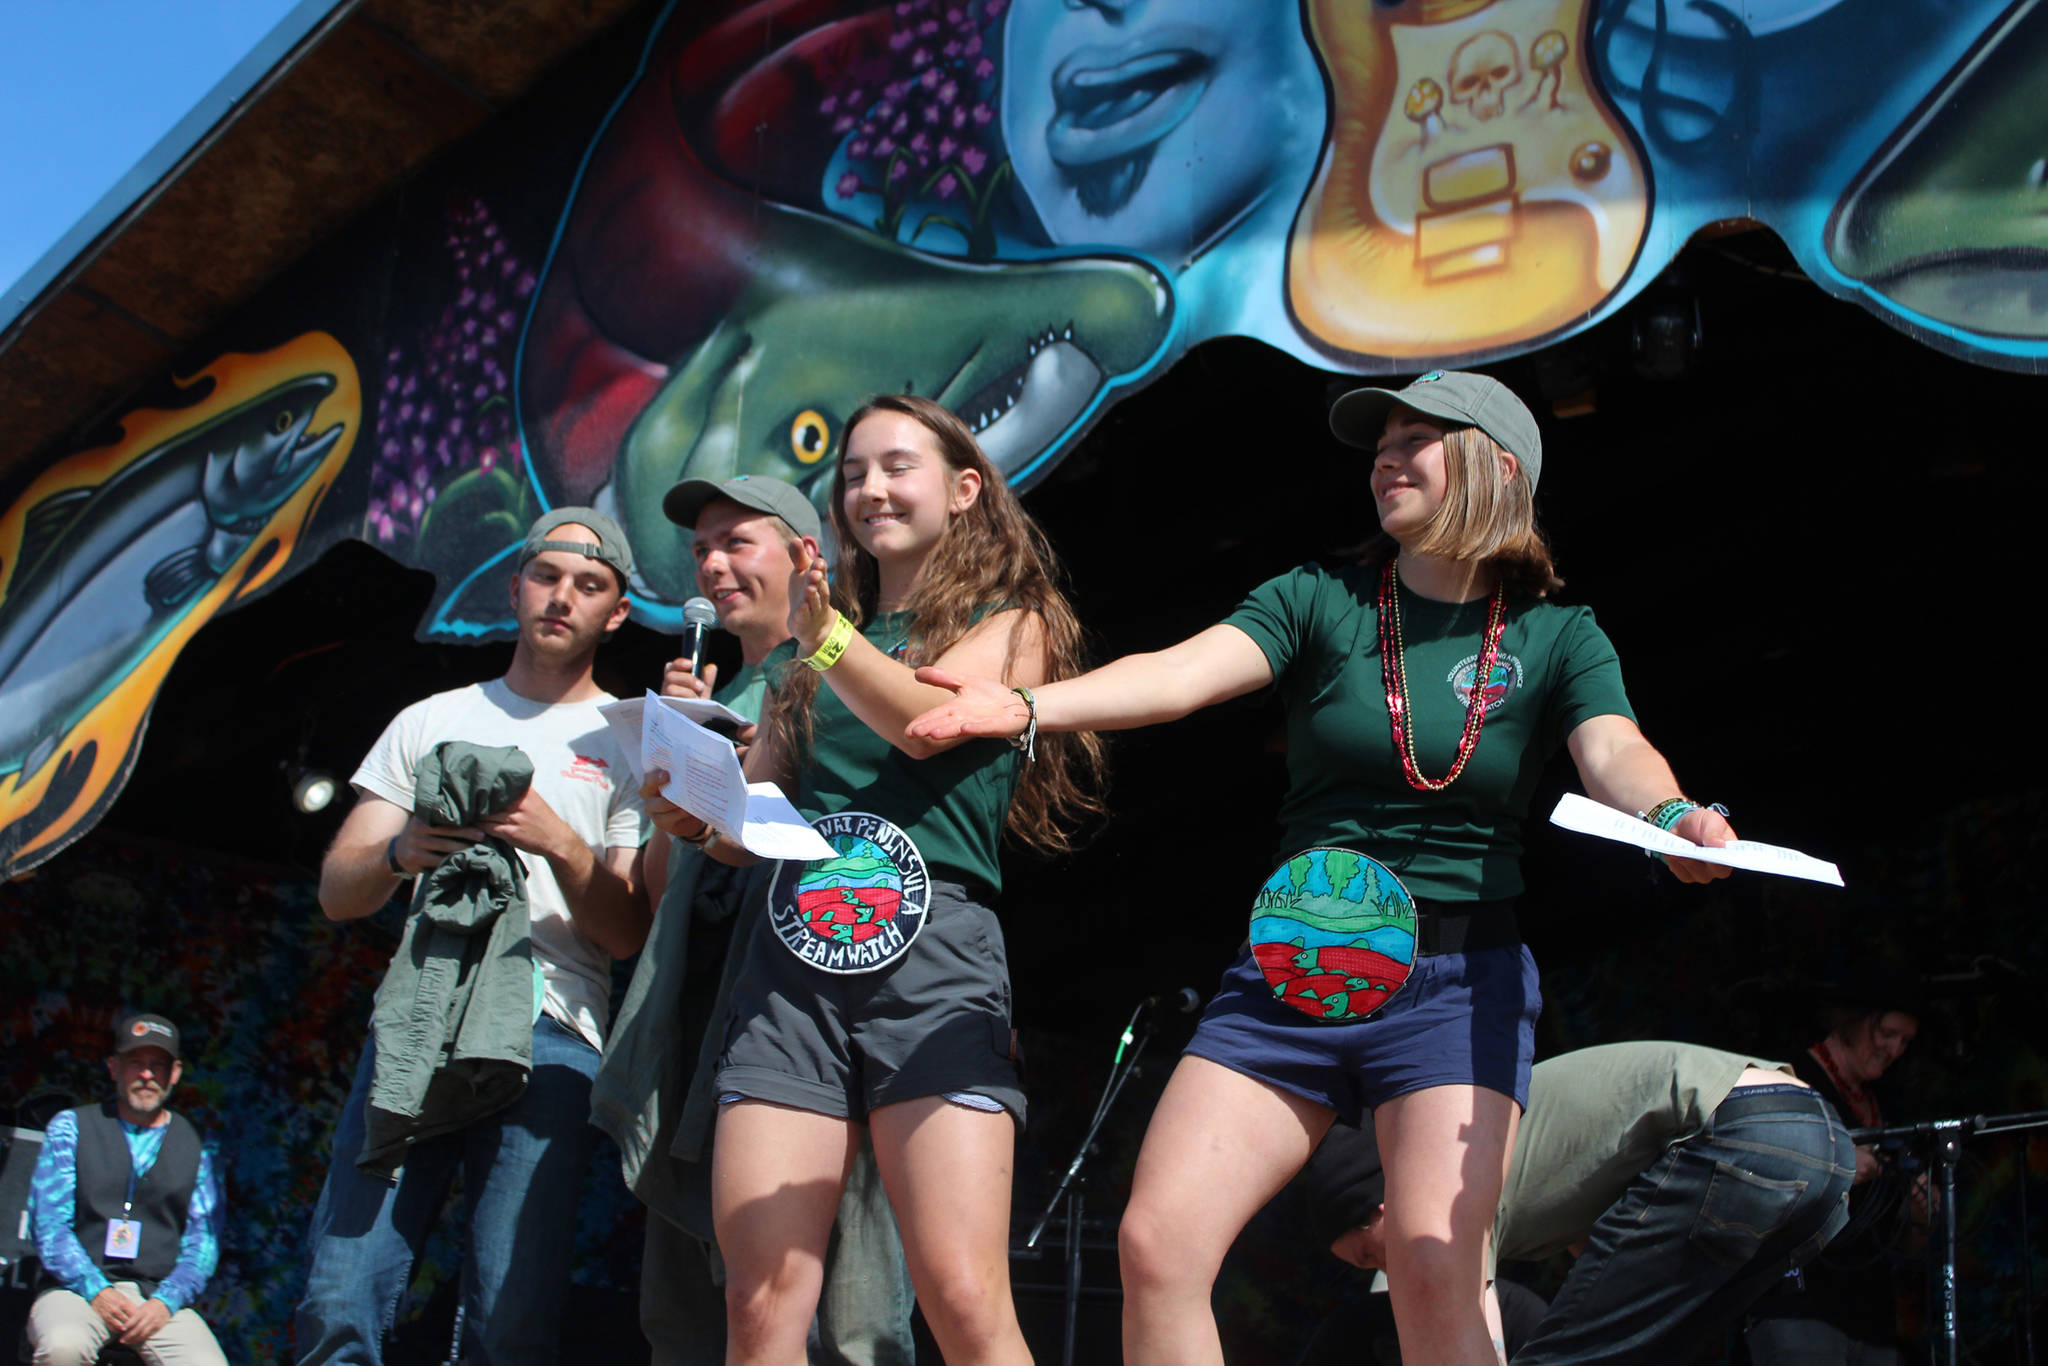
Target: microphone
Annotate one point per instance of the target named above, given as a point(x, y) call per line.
point(698, 615)
point(1182, 1002)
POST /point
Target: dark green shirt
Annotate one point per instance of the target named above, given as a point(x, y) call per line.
point(1319, 630)
point(952, 805)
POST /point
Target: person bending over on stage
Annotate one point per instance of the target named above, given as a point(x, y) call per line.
point(1692, 1179)
point(1449, 614)
point(876, 991)
point(1843, 1310)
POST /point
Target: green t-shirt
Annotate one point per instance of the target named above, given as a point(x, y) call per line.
point(952, 805)
point(1319, 630)
point(1597, 1119)
point(746, 692)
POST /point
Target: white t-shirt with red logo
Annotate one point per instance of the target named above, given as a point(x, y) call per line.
point(577, 769)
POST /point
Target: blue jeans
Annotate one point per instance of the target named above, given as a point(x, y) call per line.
point(522, 1172)
point(1709, 1227)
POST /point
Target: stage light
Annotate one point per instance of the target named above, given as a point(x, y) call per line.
point(312, 789)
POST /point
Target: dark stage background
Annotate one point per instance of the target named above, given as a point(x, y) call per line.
point(1814, 550)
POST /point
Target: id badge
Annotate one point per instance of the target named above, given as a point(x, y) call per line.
point(124, 1238)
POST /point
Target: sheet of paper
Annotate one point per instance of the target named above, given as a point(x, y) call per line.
point(624, 719)
point(776, 829)
point(1591, 818)
point(705, 778)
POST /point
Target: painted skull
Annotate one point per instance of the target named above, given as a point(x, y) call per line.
point(1483, 69)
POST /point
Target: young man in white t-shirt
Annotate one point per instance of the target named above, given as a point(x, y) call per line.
point(578, 831)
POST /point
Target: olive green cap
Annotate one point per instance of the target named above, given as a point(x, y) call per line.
point(1456, 396)
point(685, 502)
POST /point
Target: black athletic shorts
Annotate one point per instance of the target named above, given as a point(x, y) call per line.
point(934, 1023)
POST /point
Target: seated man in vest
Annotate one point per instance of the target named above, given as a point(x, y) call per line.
point(126, 1211)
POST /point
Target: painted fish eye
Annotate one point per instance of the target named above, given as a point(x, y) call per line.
point(282, 423)
point(810, 436)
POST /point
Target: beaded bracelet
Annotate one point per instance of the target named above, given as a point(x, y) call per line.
point(834, 645)
point(1669, 812)
point(1028, 741)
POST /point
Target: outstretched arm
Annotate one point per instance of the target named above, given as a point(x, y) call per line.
point(1623, 770)
point(881, 691)
point(1137, 690)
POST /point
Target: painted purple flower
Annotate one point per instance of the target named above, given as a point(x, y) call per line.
point(973, 159)
point(849, 185)
point(946, 186)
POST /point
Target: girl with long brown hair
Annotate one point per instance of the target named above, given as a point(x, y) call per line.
point(1425, 688)
point(876, 992)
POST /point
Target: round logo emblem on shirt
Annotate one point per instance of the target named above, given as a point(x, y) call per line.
point(1507, 676)
point(859, 911)
point(1334, 934)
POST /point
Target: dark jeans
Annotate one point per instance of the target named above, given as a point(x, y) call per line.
point(522, 1171)
point(1710, 1226)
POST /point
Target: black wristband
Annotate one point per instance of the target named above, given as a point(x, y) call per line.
point(391, 857)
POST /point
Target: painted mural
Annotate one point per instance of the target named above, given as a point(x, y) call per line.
point(114, 557)
point(1027, 209)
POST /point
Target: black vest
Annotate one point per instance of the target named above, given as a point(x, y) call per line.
point(162, 1195)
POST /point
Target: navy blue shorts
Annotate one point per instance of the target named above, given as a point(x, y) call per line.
point(1462, 1019)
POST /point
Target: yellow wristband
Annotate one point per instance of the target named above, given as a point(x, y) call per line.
point(834, 644)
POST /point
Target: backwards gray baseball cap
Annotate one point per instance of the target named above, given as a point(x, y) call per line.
point(609, 548)
point(1455, 396)
point(685, 502)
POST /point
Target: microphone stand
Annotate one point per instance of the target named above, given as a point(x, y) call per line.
point(1130, 1047)
point(1947, 1142)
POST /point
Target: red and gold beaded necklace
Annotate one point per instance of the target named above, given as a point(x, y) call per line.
point(1395, 675)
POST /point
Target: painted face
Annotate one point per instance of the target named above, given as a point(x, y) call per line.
point(743, 567)
point(1409, 480)
point(1152, 124)
point(566, 603)
point(899, 489)
point(1873, 1045)
point(143, 1077)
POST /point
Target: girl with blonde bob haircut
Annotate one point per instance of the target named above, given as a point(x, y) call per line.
point(875, 991)
point(1424, 689)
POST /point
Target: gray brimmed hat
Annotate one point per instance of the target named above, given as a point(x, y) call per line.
point(1456, 396)
point(609, 548)
point(685, 502)
point(146, 1031)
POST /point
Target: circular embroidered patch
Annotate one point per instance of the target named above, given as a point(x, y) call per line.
point(859, 911)
point(1506, 677)
point(1334, 934)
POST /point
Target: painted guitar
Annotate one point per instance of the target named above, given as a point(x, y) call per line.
point(1334, 933)
point(1477, 192)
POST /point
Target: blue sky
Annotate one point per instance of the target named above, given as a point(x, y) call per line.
point(102, 95)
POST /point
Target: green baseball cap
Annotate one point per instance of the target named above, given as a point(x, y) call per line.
point(609, 548)
point(685, 502)
point(1456, 396)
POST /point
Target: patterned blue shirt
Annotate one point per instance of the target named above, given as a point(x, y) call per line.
point(54, 1207)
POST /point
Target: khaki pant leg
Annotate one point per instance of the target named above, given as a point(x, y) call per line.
point(64, 1329)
